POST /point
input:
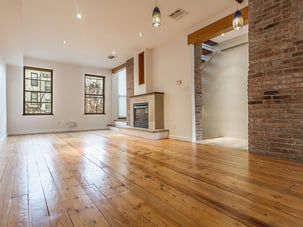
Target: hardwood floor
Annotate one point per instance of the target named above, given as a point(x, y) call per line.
point(101, 178)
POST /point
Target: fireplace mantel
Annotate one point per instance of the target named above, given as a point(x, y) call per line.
point(155, 102)
point(145, 94)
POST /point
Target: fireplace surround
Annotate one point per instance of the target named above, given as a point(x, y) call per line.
point(150, 107)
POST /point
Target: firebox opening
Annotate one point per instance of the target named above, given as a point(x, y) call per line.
point(141, 115)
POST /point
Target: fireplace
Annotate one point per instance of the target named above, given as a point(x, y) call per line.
point(141, 115)
point(151, 108)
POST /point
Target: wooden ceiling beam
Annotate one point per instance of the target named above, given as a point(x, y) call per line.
point(118, 68)
point(215, 29)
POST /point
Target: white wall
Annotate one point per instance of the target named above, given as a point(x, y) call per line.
point(172, 62)
point(225, 108)
point(2, 99)
point(68, 99)
point(11, 38)
point(10, 50)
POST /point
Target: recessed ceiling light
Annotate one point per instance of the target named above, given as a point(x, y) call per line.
point(64, 42)
point(114, 52)
point(222, 34)
point(140, 34)
point(79, 16)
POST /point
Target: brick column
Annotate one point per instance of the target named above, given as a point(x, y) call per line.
point(198, 90)
point(129, 85)
point(275, 78)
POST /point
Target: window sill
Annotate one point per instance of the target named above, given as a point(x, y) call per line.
point(37, 114)
point(94, 113)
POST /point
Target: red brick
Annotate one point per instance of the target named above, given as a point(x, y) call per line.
point(275, 78)
point(129, 84)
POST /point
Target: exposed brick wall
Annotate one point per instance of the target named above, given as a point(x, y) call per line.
point(198, 91)
point(129, 84)
point(275, 78)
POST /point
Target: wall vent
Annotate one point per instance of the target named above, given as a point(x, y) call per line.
point(178, 14)
point(111, 56)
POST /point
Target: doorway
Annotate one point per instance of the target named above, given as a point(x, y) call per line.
point(224, 75)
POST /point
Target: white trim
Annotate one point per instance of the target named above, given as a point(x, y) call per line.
point(4, 136)
point(52, 131)
point(182, 138)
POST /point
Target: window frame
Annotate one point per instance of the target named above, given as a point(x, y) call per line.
point(24, 91)
point(103, 93)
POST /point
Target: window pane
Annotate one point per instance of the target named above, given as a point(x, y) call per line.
point(37, 91)
point(45, 76)
point(121, 93)
point(94, 86)
point(33, 108)
point(27, 96)
point(122, 106)
point(45, 97)
point(46, 108)
point(94, 105)
point(46, 86)
point(29, 85)
point(122, 83)
point(34, 97)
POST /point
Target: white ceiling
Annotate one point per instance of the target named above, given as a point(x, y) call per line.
point(106, 26)
point(230, 35)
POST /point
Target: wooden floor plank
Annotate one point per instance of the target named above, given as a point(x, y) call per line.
point(9, 159)
point(236, 186)
point(19, 218)
point(61, 219)
point(111, 213)
point(101, 178)
point(249, 217)
point(179, 201)
point(90, 218)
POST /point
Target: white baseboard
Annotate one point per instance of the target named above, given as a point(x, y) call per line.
point(51, 131)
point(182, 138)
point(3, 136)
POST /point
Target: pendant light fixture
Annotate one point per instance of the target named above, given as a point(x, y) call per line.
point(238, 21)
point(156, 16)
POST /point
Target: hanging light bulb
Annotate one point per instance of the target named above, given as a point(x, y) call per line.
point(156, 17)
point(238, 21)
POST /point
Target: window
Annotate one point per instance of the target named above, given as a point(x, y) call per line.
point(38, 95)
point(121, 78)
point(94, 94)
